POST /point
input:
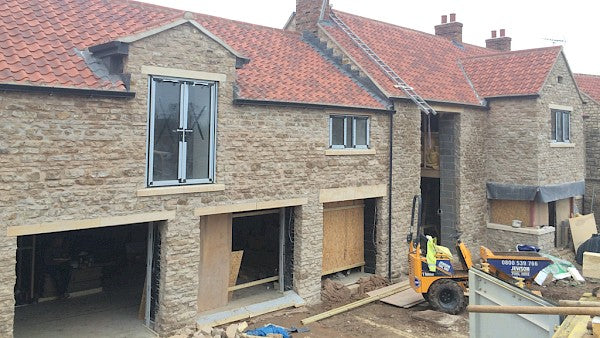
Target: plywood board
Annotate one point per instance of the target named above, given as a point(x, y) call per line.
point(404, 299)
point(582, 229)
point(504, 212)
point(343, 235)
point(215, 256)
point(563, 210)
point(591, 265)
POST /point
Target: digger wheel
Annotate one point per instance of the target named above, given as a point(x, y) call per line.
point(446, 295)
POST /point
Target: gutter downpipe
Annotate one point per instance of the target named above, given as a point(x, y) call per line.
point(391, 137)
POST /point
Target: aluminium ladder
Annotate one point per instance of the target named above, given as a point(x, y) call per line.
point(398, 82)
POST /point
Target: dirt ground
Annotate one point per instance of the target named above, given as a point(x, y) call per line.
point(372, 320)
point(378, 319)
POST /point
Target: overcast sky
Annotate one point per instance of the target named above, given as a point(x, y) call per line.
point(530, 23)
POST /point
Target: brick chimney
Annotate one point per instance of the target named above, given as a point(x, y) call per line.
point(501, 43)
point(450, 30)
point(308, 13)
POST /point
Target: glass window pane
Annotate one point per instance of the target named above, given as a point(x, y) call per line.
point(553, 115)
point(166, 139)
point(361, 131)
point(349, 142)
point(559, 129)
point(198, 140)
point(566, 126)
point(337, 131)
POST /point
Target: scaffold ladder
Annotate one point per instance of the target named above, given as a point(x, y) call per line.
point(398, 82)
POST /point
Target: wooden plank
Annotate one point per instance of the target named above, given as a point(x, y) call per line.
point(215, 255)
point(234, 269)
point(343, 235)
point(399, 287)
point(591, 265)
point(404, 299)
point(343, 268)
point(385, 289)
point(254, 283)
point(90, 223)
point(582, 229)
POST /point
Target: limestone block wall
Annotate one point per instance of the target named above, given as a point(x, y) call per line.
point(505, 238)
point(592, 155)
point(512, 141)
point(72, 157)
point(560, 165)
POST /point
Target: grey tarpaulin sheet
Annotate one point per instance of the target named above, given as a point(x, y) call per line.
point(543, 193)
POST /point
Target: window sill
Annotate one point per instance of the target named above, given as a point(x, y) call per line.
point(188, 189)
point(349, 152)
point(562, 145)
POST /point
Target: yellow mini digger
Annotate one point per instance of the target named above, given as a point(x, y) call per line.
point(432, 273)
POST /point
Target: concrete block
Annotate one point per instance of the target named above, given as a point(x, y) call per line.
point(591, 265)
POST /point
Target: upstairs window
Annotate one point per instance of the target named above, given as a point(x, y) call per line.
point(182, 132)
point(561, 126)
point(347, 131)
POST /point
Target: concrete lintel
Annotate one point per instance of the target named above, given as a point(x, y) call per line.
point(184, 73)
point(184, 189)
point(352, 193)
point(560, 107)
point(529, 231)
point(80, 224)
point(250, 206)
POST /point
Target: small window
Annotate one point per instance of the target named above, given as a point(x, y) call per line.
point(561, 126)
point(182, 132)
point(348, 132)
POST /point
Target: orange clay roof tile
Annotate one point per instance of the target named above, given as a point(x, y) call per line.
point(590, 85)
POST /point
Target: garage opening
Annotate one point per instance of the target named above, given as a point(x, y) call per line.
point(90, 282)
point(349, 239)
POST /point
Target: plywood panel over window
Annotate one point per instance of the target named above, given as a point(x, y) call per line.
point(343, 236)
point(504, 212)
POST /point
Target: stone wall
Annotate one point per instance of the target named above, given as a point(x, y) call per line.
point(505, 238)
point(592, 155)
point(560, 165)
point(72, 157)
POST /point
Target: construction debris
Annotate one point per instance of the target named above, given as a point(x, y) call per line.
point(439, 318)
point(381, 293)
point(334, 292)
point(366, 284)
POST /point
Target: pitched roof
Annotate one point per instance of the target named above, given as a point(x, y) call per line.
point(439, 69)
point(589, 84)
point(426, 62)
point(44, 43)
point(511, 73)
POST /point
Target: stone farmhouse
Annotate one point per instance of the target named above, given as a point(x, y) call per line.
point(208, 160)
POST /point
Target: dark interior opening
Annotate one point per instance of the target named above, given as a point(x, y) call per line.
point(430, 192)
point(258, 237)
point(370, 235)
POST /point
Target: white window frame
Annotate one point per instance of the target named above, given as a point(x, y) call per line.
point(181, 170)
point(565, 120)
point(349, 144)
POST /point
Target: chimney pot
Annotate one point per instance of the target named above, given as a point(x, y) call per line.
point(493, 34)
point(444, 19)
point(452, 17)
point(502, 32)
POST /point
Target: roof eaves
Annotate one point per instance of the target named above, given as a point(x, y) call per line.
point(178, 22)
point(437, 101)
point(308, 104)
point(512, 95)
point(28, 88)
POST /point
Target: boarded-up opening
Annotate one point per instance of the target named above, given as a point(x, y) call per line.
point(505, 211)
point(343, 236)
